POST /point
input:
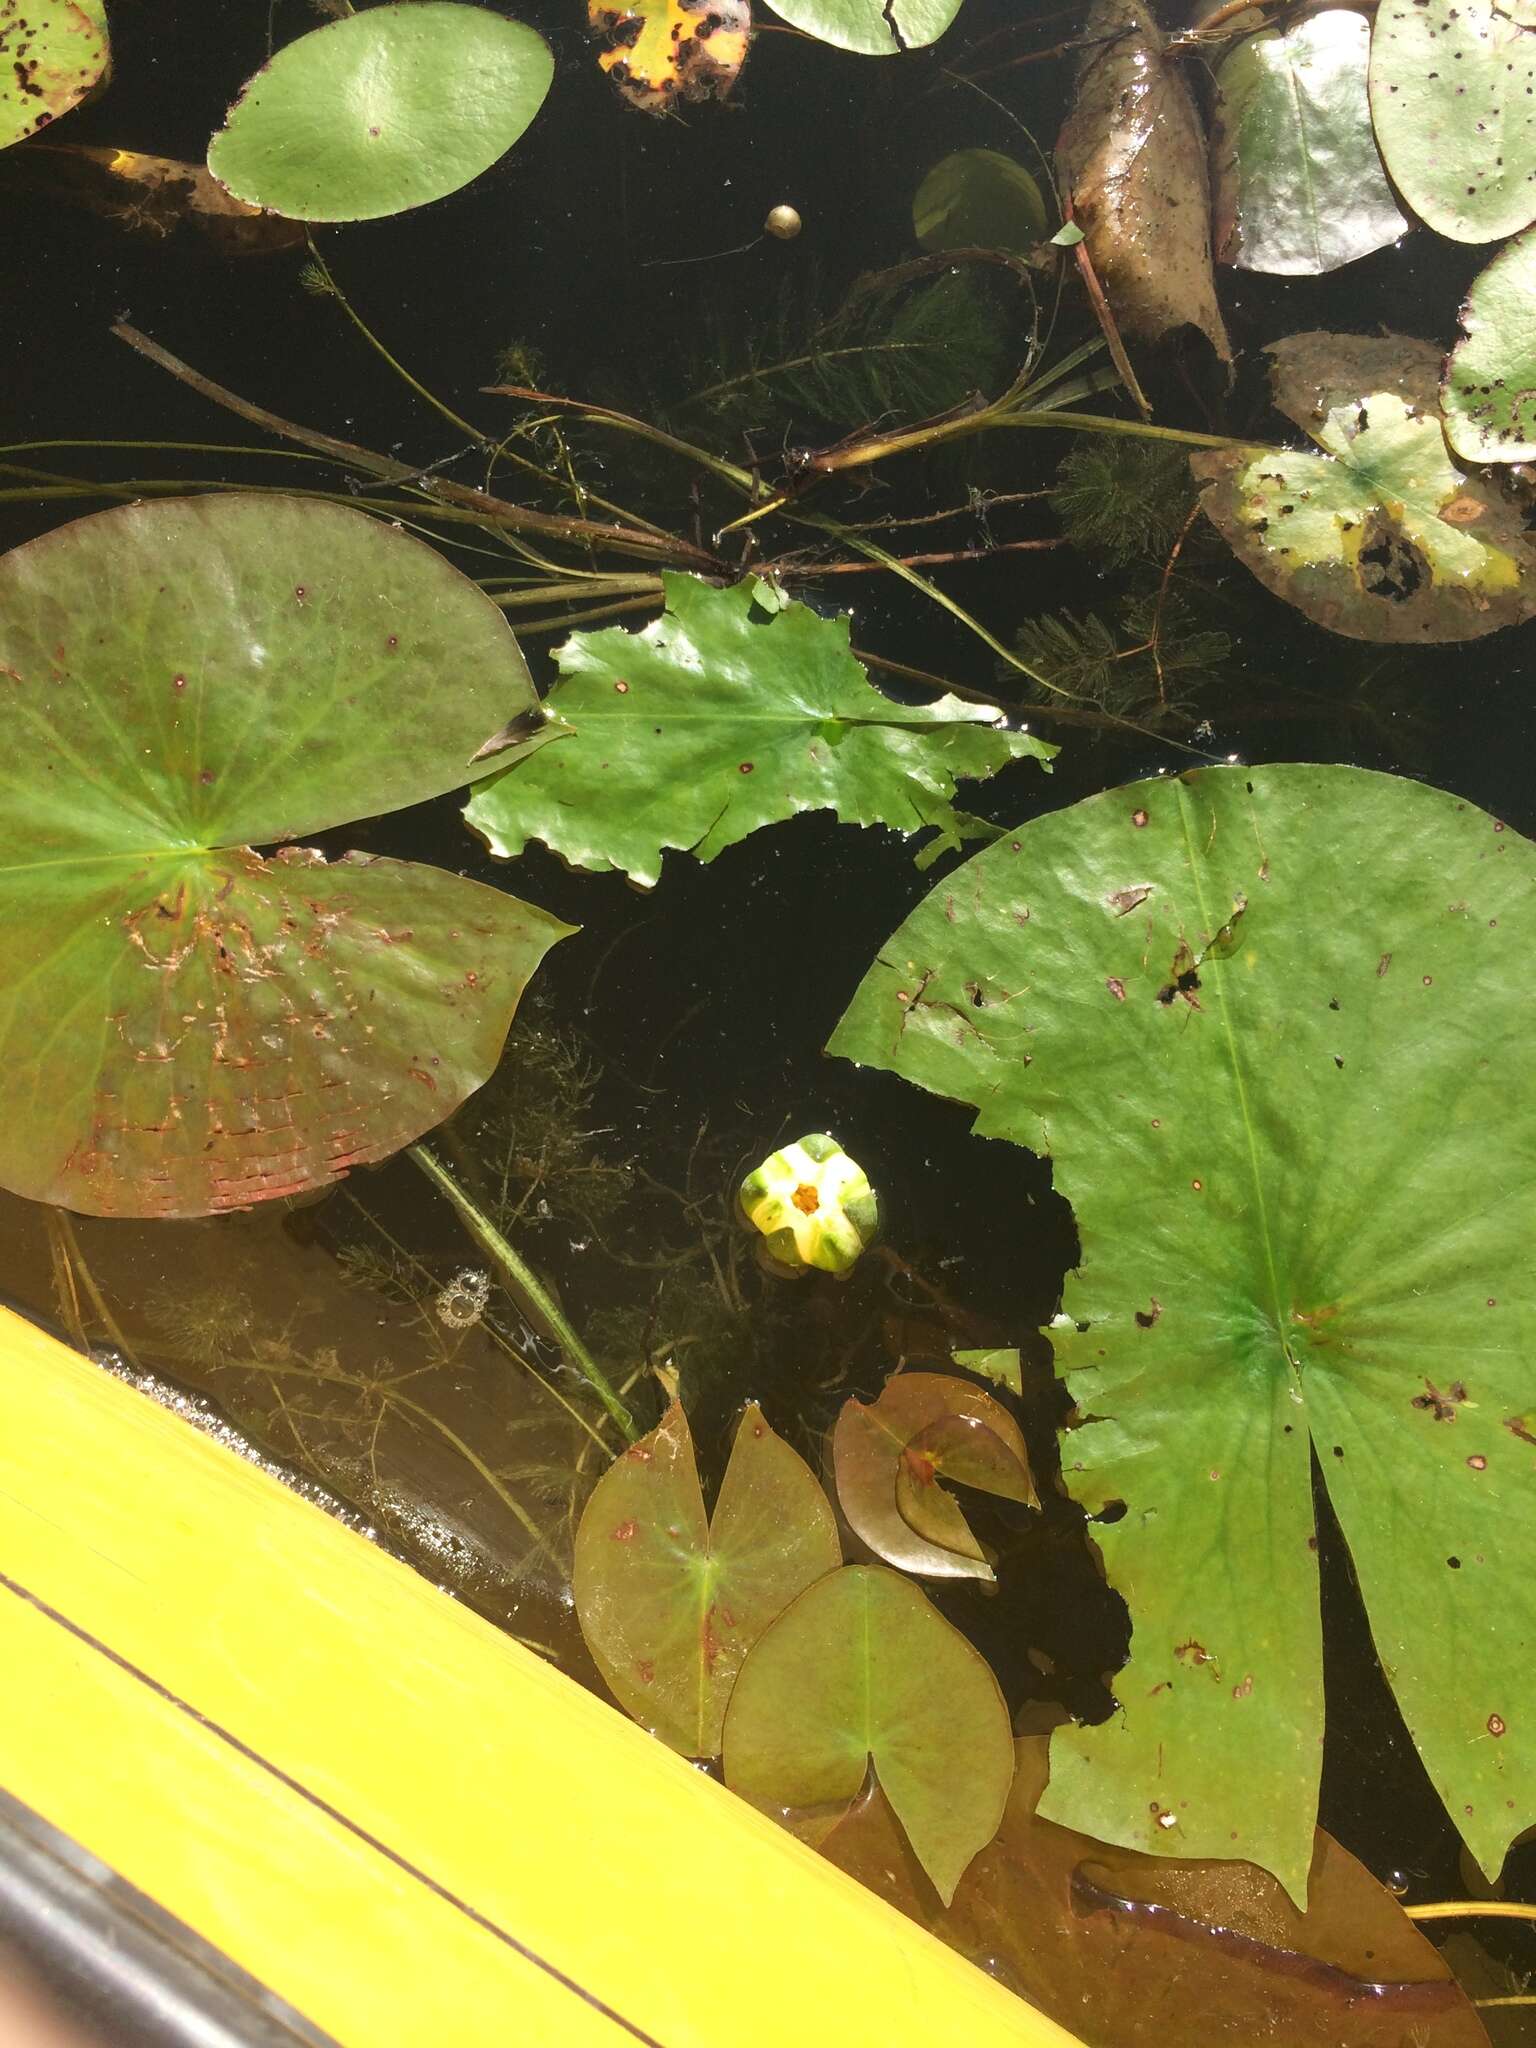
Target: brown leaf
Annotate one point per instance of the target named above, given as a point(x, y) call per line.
point(1132, 159)
point(154, 195)
point(1133, 1951)
point(890, 1456)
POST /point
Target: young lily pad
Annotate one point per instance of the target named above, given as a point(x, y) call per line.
point(863, 1670)
point(51, 54)
point(1132, 161)
point(1287, 1093)
point(870, 28)
point(890, 1455)
point(387, 109)
point(1133, 1951)
point(670, 1602)
point(979, 199)
point(1298, 187)
point(185, 1026)
point(721, 717)
point(1453, 97)
point(1379, 534)
point(1489, 395)
point(660, 53)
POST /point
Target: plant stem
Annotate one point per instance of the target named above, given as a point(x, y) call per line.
point(1471, 1909)
point(525, 1283)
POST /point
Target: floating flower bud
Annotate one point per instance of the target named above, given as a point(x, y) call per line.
point(814, 1207)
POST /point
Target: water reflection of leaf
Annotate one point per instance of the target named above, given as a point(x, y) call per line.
point(1140, 1952)
point(1132, 159)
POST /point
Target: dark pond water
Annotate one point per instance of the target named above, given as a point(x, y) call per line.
point(679, 1036)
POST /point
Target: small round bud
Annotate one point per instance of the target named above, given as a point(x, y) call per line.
point(782, 222)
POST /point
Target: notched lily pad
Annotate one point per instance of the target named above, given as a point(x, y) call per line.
point(52, 52)
point(1132, 160)
point(1287, 1092)
point(891, 1455)
point(870, 28)
point(1378, 533)
point(671, 1602)
point(1489, 395)
point(185, 1026)
point(1298, 184)
point(720, 718)
point(862, 1670)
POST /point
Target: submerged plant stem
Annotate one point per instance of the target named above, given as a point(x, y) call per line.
point(525, 1283)
point(1471, 1909)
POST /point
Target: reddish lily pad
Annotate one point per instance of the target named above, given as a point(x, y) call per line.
point(889, 1457)
point(670, 1601)
point(185, 1026)
point(1134, 1951)
point(863, 1669)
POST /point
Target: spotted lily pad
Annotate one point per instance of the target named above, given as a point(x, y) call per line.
point(723, 716)
point(52, 52)
point(1377, 532)
point(670, 1601)
point(870, 28)
point(863, 1670)
point(660, 53)
point(1271, 1025)
point(1298, 186)
point(1489, 395)
point(184, 1025)
point(1453, 97)
point(386, 109)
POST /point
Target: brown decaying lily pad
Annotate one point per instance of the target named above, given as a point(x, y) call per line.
point(1132, 159)
point(889, 1457)
point(1133, 1951)
point(1377, 531)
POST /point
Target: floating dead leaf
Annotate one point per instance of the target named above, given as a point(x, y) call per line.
point(1133, 1951)
point(153, 195)
point(662, 52)
point(890, 1456)
point(1132, 160)
point(1377, 532)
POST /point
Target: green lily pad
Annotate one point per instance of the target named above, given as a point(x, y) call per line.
point(870, 28)
point(1379, 534)
point(671, 1602)
point(721, 717)
point(1453, 97)
point(1271, 1026)
point(1489, 395)
point(1133, 1951)
point(863, 1670)
point(387, 109)
point(1002, 1367)
point(52, 52)
point(978, 199)
point(1297, 182)
point(185, 1026)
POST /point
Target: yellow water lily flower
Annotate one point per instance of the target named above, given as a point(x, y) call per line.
point(814, 1206)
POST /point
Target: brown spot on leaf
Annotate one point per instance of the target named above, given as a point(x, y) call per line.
point(626, 1531)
